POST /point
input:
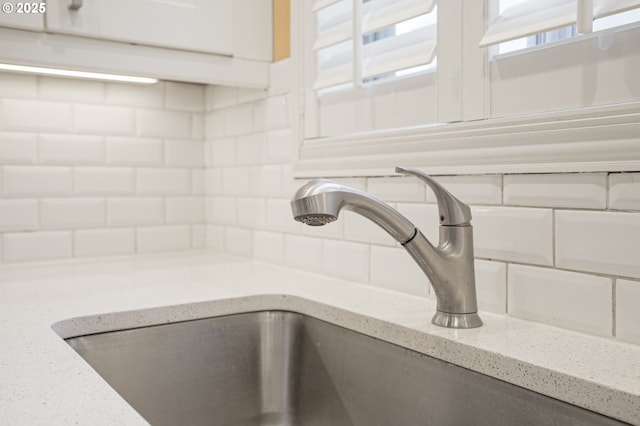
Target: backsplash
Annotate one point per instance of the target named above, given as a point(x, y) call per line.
point(562, 249)
point(95, 169)
point(92, 169)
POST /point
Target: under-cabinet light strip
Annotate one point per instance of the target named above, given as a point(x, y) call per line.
point(78, 74)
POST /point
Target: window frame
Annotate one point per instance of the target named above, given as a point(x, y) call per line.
point(471, 140)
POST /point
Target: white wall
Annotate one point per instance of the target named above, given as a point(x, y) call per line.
point(91, 169)
point(562, 249)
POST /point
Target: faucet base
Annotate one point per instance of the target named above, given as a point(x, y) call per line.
point(446, 319)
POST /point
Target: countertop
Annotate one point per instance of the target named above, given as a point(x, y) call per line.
point(43, 381)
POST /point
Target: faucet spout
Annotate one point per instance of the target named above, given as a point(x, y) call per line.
point(449, 265)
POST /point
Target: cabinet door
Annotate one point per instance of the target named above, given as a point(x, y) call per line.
point(199, 25)
point(26, 16)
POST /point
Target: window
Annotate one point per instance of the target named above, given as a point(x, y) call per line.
point(592, 45)
point(356, 47)
point(525, 23)
point(499, 86)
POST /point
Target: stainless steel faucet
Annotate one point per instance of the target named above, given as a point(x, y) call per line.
point(449, 266)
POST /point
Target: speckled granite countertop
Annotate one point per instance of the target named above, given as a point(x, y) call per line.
point(44, 382)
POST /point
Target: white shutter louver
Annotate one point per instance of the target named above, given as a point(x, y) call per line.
point(412, 49)
point(336, 29)
point(532, 17)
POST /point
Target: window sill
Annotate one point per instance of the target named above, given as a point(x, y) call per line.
point(586, 140)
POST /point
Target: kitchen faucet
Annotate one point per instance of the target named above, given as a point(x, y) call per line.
point(449, 266)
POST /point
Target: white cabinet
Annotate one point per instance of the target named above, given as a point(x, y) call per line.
point(226, 42)
point(25, 15)
point(198, 25)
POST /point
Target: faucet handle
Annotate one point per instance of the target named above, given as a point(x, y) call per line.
point(453, 212)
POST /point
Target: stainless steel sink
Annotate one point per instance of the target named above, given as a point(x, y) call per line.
point(287, 369)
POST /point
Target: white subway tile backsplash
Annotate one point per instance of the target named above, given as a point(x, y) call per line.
point(251, 148)
point(18, 86)
point(491, 286)
point(163, 181)
point(133, 157)
point(198, 236)
point(627, 312)
point(425, 217)
point(104, 120)
point(163, 238)
point(604, 242)
point(163, 124)
point(104, 242)
point(252, 212)
point(69, 90)
point(624, 191)
point(135, 211)
point(279, 218)
point(393, 269)
point(250, 95)
point(133, 151)
point(236, 181)
point(279, 146)
point(271, 113)
point(289, 186)
point(569, 190)
point(184, 97)
point(184, 153)
point(33, 246)
point(213, 181)
point(221, 97)
point(183, 210)
point(224, 152)
point(403, 189)
point(197, 126)
point(238, 241)
point(30, 181)
point(67, 213)
point(357, 228)
point(222, 210)
point(198, 181)
point(135, 95)
point(18, 148)
point(214, 237)
point(303, 253)
point(103, 180)
point(35, 116)
point(71, 149)
point(481, 189)
point(61, 137)
point(214, 124)
point(18, 215)
point(512, 233)
point(267, 181)
point(238, 120)
point(346, 260)
point(268, 246)
point(564, 299)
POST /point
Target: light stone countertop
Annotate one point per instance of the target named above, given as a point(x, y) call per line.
point(44, 382)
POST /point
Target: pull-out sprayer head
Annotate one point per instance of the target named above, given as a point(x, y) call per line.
point(317, 219)
point(319, 202)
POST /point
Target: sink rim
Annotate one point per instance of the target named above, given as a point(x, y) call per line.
point(422, 338)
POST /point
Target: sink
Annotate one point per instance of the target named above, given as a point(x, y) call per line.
point(277, 368)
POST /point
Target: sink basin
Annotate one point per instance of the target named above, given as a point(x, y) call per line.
point(285, 369)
